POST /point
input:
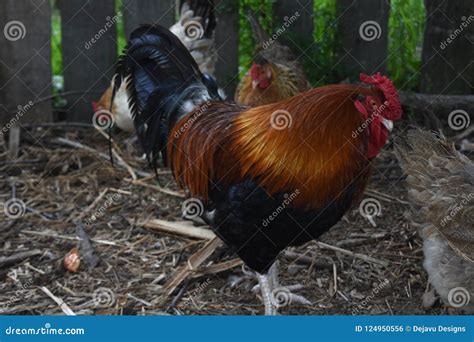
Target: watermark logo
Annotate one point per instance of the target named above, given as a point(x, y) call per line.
point(193, 30)
point(14, 30)
point(45, 330)
point(280, 297)
point(192, 208)
point(459, 297)
point(198, 290)
point(103, 119)
point(103, 297)
point(370, 30)
point(14, 208)
point(281, 119)
point(20, 293)
point(457, 209)
point(110, 22)
point(369, 120)
point(370, 208)
point(21, 110)
point(459, 119)
point(288, 199)
point(189, 122)
point(466, 21)
point(288, 21)
point(363, 305)
point(101, 211)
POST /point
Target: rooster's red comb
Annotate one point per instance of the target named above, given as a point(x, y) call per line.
point(394, 110)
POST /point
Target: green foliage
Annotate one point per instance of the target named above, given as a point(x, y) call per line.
point(247, 41)
point(406, 27)
point(121, 39)
point(325, 42)
point(56, 53)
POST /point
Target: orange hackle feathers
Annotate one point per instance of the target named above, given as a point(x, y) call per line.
point(198, 146)
point(316, 152)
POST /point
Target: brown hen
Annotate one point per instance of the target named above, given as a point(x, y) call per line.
point(275, 74)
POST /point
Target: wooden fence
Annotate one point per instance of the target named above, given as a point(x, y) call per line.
point(89, 47)
point(89, 50)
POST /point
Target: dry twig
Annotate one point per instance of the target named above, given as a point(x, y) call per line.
point(62, 305)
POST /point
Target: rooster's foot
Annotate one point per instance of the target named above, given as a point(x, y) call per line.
point(274, 295)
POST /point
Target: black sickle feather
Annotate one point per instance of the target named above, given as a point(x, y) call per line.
point(111, 155)
point(161, 75)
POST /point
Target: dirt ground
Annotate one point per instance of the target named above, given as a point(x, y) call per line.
point(69, 191)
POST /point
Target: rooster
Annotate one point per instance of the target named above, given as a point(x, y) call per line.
point(195, 28)
point(263, 185)
point(441, 189)
point(274, 75)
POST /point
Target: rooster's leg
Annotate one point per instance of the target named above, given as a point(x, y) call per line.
point(273, 273)
point(274, 295)
point(283, 295)
point(266, 290)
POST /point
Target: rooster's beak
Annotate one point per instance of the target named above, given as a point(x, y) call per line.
point(388, 124)
point(255, 84)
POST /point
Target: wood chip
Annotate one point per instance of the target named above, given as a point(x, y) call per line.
point(184, 228)
point(194, 262)
point(18, 257)
point(352, 254)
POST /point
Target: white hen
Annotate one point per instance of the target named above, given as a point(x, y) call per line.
point(195, 29)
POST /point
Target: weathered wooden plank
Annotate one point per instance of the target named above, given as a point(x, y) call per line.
point(89, 39)
point(227, 44)
point(448, 48)
point(137, 12)
point(363, 32)
point(25, 62)
point(295, 19)
point(441, 106)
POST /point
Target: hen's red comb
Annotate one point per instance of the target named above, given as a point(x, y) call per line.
point(394, 110)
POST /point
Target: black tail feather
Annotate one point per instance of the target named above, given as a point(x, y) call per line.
point(161, 76)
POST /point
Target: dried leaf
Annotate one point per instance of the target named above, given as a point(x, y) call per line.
point(72, 260)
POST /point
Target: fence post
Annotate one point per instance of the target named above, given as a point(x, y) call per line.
point(363, 32)
point(25, 61)
point(448, 47)
point(227, 45)
point(139, 12)
point(299, 16)
point(89, 42)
